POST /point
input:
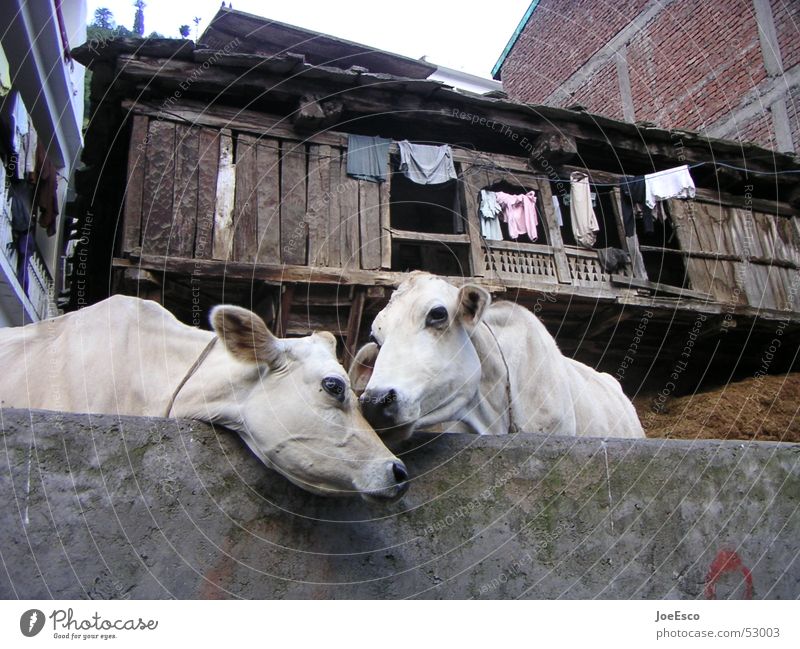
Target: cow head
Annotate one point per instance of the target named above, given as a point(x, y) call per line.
point(293, 406)
point(421, 367)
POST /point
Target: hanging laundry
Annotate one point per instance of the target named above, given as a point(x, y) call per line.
point(557, 210)
point(584, 222)
point(426, 165)
point(31, 154)
point(612, 259)
point(367, 157)
point(5, 75)
point(670, 183)
point(636, 189)
point(490, 212)
point(46, 192)
point(519, 211)
point(628, 208)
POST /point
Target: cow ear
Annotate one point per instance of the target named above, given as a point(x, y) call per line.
point(328, 338)
point(246, 336)
point(472, 302)
point(361, 368)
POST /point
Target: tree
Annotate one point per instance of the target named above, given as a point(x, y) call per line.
point(185, 30)
point(196, 20)
point(138, 19)
point(103, 18)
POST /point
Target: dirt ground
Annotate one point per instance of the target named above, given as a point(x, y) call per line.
point(764, 409)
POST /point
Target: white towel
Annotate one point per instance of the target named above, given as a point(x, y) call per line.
point(670, 183)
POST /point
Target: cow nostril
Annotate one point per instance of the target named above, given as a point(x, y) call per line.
point(400, 472)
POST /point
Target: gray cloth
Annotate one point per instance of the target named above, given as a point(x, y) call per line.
point(612, 259)
point(367, 157)
point(426, 165)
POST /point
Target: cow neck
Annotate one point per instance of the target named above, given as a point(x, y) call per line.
point(492, 413)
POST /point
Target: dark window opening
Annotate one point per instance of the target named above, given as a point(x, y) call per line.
point(434, 257)
point(662, 267)
point(542, 237)
point(425, 208)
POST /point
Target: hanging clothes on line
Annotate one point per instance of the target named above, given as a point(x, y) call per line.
point(46, 192)
point(367, 157)
point(584, 221)
point(670, 183)
point(519, 211)
point(426, 165)
point(557, 210)
point(636, 190)
point(490, 213)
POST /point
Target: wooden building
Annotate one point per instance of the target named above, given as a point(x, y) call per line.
point(217, 173)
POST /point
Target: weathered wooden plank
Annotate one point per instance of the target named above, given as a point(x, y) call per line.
point(245, 204)
point(335, 230)
point(159, 182)
point(386, 223)
point(354, 326)
point(554, 232)
point(287, 297)
point(294, 230)
point(268, 193)
point(208, 166)
point(224, 206)
point(317, 210)
point(134, 187)
point(369, 221)
point(471, 181)
point(184, 197)
point(407, 235)
point(700, 271)
point(348, 214)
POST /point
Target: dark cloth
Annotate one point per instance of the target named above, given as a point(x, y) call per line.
point(636, 190)
point(46, 194)
point(367, 157)
point(21, 205)
point(628, 218)
point(612, 259)
point(26, 246)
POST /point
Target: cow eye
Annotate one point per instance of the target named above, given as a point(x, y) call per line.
point(436, 316)
point(334, 386)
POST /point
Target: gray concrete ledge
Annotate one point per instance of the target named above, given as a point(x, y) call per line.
point(107, 507)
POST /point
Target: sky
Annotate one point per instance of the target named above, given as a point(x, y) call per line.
point(447, 33)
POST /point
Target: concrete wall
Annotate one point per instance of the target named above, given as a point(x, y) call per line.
point(104, 507)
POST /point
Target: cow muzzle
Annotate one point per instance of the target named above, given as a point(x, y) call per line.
point(381, 408)
point(397, 481)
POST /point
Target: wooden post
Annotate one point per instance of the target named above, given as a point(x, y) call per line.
point(285, 310)
point(354, 326)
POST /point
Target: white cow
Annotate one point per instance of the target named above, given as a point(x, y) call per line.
point(289, 400)
point(444, 354)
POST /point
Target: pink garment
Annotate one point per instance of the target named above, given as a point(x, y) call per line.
point(519, 211)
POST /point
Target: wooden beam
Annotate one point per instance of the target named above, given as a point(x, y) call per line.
point(633, 282)
point(406, 235)
point(279, 273)
point(354, 326)
point(134, 187)
point(287, 297)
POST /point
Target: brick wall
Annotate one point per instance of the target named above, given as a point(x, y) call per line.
point(692, 65)
point(787, 26)
point(559, 38)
